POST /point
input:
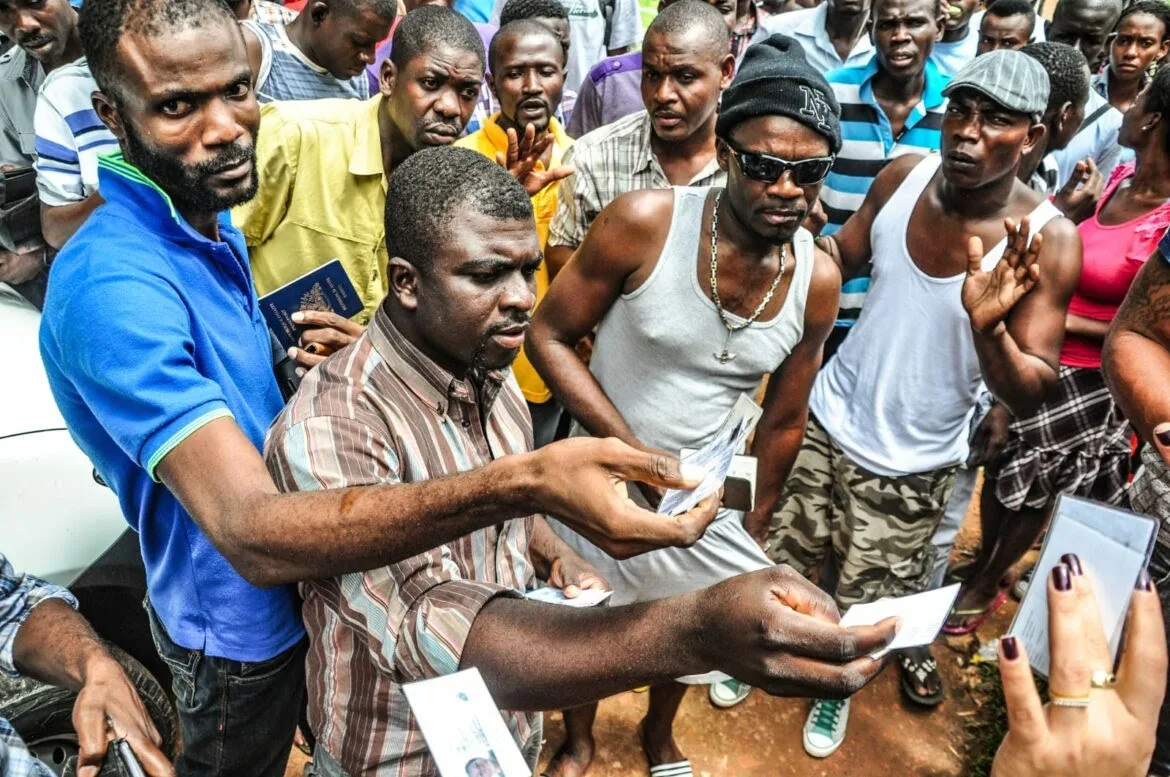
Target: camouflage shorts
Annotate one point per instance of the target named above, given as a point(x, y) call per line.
point(878, 527)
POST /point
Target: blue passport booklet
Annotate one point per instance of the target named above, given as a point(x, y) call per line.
point(326, 288)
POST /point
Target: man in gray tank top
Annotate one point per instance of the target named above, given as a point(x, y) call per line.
point(697, 294)
point(890, 413)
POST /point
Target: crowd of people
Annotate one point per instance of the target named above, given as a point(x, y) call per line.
point(924, 234)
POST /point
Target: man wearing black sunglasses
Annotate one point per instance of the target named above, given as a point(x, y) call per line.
point(697, 294)
point(890, 412)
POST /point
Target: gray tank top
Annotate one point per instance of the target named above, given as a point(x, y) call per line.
point(655, 350)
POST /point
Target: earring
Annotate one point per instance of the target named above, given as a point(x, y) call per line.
point(1152, 70)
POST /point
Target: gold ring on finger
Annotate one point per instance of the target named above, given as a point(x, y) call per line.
point(1102, 678)
point(1069, 701)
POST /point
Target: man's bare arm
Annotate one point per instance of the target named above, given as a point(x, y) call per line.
point(849, 246)
point(1020, 361)
point(624, 240)
point(271, 538)
point(780, 431)
point(770, 628)
point(60, 222)
point(1136, 356)
point(555, 259)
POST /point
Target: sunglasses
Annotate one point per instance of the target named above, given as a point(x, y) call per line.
point(768, 169)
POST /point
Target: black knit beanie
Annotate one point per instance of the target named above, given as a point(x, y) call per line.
point(776, 80)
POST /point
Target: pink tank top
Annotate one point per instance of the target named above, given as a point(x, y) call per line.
point(1112, 257)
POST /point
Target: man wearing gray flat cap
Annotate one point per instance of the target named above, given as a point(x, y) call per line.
point(889, 414)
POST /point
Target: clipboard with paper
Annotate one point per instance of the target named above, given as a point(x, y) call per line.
point(1114, 545)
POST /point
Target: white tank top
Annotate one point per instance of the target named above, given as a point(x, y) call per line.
point(655, 350)
point(899, 394)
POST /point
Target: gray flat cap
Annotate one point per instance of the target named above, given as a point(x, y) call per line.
point(1011, 78)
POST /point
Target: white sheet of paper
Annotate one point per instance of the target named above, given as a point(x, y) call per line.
point(1113, 546)
point(463, 728)
point(715, 457)
point(589, 597)
point(923, 616)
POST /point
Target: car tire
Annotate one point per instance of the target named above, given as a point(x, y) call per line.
point(43, 714)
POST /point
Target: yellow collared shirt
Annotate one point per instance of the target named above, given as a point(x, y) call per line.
point(488, 140)
point(322, 196)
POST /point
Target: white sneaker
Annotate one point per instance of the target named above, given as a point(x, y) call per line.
point(824, 731)
point(728, 693)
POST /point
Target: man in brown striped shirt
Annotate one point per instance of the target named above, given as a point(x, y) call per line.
point(425, 394)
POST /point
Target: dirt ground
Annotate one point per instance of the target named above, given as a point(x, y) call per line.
point(761, 737)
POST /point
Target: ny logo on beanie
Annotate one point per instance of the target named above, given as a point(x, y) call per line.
point(816, 108)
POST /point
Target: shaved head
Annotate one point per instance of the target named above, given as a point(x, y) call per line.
point(686, 18)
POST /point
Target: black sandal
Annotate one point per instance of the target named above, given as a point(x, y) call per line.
point(918, 666)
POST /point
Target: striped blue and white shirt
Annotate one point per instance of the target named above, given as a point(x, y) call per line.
point(69, 136)
point(868, 145)
point(19, 594)
point(293, 76)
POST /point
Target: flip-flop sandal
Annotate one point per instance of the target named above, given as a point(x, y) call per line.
point(914, 670)
point(676, 769)
point(972, 618)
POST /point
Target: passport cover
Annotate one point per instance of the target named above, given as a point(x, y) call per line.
point(326, 288)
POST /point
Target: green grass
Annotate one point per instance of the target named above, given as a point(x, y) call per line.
point(989, 724)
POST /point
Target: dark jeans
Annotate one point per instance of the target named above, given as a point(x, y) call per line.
point(237, 719)
point(1159, 570)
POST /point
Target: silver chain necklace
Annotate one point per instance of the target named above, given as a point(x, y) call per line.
point(725, 356)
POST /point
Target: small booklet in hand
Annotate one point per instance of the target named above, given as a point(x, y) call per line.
point(1113, 545)
point(716, 457)
point(326, 288)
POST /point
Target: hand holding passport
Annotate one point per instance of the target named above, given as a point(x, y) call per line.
point(326, 288)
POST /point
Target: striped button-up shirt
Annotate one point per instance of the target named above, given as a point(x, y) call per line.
point(868, 145)
point(609, 162)
point(382, 412)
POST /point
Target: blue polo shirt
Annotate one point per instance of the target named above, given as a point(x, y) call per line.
point(868, 144)
point(150, 331)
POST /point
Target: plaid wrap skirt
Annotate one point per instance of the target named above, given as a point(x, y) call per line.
point(1076, 443)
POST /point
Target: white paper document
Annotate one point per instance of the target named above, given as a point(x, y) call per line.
point(463, 728)
point(589, 597)
point(715, 457)
point(1113, 545)
point(922, 615)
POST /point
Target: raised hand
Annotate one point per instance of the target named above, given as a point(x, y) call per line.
point(988, 296)
point(1079, 196)
point(1113, 734)
point(524, 154)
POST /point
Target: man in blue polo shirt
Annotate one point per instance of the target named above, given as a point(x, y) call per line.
point(160, 362)
point(891, 106)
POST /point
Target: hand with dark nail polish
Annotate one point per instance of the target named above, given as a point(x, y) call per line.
point(1061, 577)
point(1011, 648)
point(1073, 562)
point(1143, 582)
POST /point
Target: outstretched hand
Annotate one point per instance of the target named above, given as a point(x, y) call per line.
point(524, 153)
point(988, 296)
point(1114, 732)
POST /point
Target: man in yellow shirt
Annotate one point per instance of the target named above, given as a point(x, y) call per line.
point(527, 77)
point(323, 166)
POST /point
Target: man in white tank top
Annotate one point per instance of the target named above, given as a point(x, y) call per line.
point(697, 294)
point(890, 413)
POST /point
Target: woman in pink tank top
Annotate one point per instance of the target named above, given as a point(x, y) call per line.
point(1078, 442)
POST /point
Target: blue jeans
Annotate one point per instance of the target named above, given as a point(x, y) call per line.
point(237, 719)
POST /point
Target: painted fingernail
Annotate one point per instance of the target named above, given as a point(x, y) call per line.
point(1071, 561)
point(1061, 578)
point(1011, 648)
point(1163, 435)
point(1143, 582)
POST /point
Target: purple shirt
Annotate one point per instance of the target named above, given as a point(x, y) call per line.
point(612, 90)
point(486, 31)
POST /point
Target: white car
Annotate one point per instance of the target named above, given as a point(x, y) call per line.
point(62, 524)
